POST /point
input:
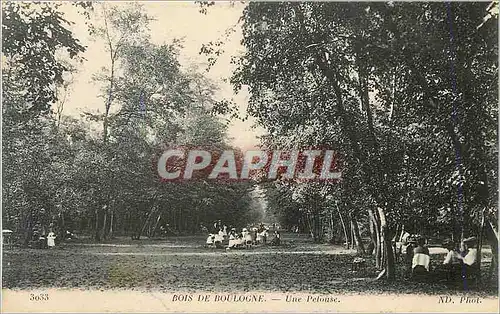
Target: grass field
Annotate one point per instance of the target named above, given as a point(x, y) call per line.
point(184, 264)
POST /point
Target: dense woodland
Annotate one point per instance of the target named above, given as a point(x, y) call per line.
point(406, 93)
point(57, 170)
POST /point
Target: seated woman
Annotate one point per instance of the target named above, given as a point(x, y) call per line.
point(235, 241)
point(471, 259)
point(240, 241)
point(277, 239)
point(421, 260)
point(248, 238)
point(421, 248)
point(262, 236)
point(232, 240)
point(219, 238)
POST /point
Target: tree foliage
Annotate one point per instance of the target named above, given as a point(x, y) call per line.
point(96, 175)
point(394, 87)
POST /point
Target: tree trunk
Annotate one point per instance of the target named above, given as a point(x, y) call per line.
point(343, 226)
point(383, 249)
point(395, 238)
point(360, 248)
point(155, 226)
point(62, 227)
point(332, 226)
point(96, 234)
point(389, 254)
point(113, 55)
point(480, 244)
point(373, 236)
point(309, 225)
point(492, 237)
point(198, 229)
point(148, 219)
point(28, 229)
point(351, 235)
point(104, 235)
point(317, 227)
point(178, 224)
point(111, 222)
point(89, 225)
point(402, 233)
point(378, 244)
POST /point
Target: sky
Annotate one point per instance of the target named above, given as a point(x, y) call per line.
point(174, 19)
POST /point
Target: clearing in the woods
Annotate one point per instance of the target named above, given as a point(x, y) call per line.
point(184, 264)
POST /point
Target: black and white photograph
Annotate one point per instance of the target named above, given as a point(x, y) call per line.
point(249, 156)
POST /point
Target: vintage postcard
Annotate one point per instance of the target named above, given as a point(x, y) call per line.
point(235, 156)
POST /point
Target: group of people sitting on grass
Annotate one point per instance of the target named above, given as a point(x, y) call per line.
point(246, 238)
point(456, 264)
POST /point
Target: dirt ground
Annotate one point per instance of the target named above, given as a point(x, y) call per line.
point(184, 264)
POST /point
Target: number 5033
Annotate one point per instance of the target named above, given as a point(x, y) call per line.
point(39, 297)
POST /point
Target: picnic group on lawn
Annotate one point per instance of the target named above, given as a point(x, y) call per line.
point(42, 239)
point(230, 238)
point(458, 263)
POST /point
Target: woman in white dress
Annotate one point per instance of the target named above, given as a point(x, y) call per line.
point(51, 239)
point(232, 241)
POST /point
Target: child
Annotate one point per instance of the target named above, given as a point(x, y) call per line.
point(255, 235)
point(248, 239)
point(260, 238)
point(452, 258)
point(219, 238)
point(265, 234)
point(210, 240)
point(452, 262)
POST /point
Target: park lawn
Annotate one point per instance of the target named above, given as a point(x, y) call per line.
point(183, 264)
